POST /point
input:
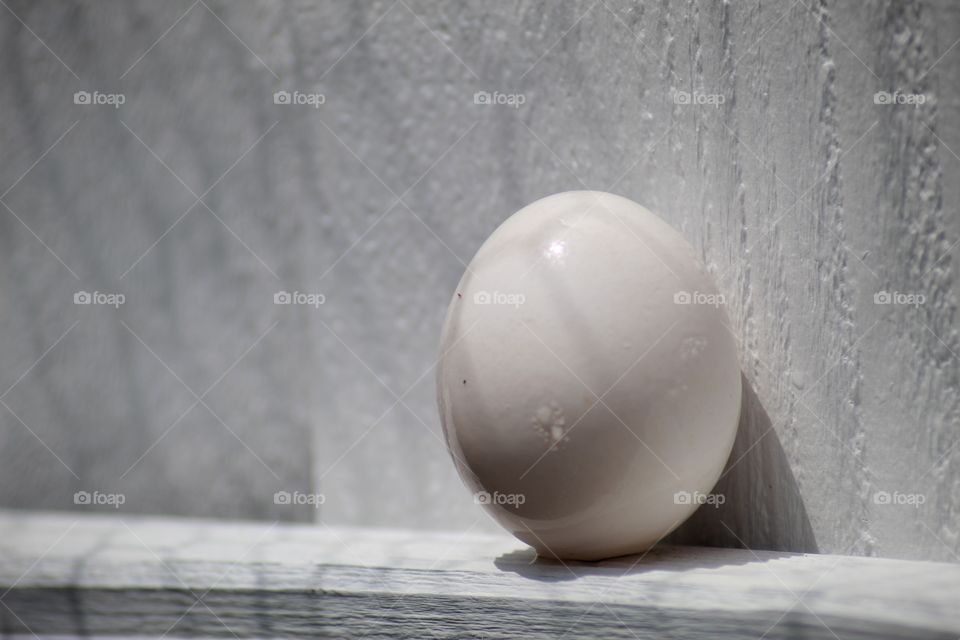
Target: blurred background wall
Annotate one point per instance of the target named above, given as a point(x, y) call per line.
point(147, 153)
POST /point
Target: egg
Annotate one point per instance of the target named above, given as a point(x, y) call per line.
point(588, 383)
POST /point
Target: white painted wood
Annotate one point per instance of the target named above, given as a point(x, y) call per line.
point(802, 195)
point(64, 574)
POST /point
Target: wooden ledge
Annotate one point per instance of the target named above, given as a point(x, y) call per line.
point(69, 574)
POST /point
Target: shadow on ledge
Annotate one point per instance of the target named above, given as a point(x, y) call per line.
point(763, 508)
point(526, 563)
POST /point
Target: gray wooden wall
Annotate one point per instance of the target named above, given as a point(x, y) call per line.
point(199, 198)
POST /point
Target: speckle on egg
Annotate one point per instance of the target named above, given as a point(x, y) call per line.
point(550, 423)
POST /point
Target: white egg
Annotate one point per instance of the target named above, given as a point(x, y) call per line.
point(588, 384)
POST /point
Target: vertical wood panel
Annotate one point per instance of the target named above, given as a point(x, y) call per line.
point(803, 196)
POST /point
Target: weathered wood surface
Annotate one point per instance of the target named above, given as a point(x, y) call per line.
point(803, 196)
point(67, 574)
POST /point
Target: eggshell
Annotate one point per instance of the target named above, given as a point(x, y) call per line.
point(588, 385)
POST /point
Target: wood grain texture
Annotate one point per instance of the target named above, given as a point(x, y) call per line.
point(803, 196)
point(66, 574)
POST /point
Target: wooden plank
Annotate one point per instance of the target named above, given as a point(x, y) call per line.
point(803, 196)
point(101, 574)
